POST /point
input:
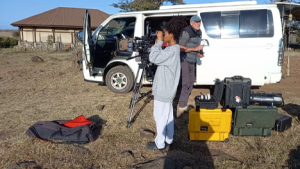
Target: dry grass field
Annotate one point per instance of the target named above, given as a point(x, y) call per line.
point(55, 90)
point(6, 33)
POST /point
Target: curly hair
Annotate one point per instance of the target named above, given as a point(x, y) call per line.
point(176, 25)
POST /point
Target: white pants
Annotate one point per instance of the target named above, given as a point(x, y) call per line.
point(163, 116)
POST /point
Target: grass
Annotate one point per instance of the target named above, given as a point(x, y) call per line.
point(55, 90)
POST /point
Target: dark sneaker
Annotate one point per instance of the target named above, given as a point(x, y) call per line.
point(168, 144)
point(152, 146)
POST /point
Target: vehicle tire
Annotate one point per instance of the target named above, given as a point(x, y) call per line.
point(119, 79)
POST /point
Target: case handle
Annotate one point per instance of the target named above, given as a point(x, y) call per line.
point(238, 77)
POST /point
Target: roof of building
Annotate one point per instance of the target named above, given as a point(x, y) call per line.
point(63, 17)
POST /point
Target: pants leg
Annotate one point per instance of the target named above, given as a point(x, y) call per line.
point(184, 84)
point(163, 116)
point(191, 78)
point(170, 125)
point(186, 87)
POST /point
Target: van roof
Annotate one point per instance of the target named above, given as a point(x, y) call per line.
point(194, 7)
point(204, 5)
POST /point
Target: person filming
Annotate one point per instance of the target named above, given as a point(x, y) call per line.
point(166, 80)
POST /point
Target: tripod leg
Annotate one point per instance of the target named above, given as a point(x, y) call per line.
point(136, 92)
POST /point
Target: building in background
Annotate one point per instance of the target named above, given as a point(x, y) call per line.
point(59, 25)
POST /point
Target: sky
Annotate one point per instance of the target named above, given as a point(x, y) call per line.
point(15, 10)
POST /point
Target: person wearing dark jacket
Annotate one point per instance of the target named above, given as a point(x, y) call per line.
point(190, 49)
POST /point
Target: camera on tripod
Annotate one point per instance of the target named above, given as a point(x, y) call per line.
point(143, 47)
point(143, 44)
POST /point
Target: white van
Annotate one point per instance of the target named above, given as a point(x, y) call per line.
point(244, 39)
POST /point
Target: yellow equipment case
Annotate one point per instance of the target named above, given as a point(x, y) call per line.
point(210, 124)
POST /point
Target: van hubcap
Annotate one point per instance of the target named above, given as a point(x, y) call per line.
point(118, 81)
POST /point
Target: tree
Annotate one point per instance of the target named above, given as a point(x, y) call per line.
point(141, 5)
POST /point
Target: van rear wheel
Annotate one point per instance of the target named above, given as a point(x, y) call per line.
point(119, 79)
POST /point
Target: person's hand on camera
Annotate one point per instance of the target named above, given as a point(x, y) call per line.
point(159, 35)
point(200, 55)
point(198, 48)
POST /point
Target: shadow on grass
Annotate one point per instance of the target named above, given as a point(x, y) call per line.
point(294, 159)
point(148, 99)
point(185, 152)
point(98, 125)
point(292, 109)
point(182, 152)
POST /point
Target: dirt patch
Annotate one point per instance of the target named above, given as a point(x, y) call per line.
point(55, 90)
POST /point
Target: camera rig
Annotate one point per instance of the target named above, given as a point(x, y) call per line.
point(142, 46)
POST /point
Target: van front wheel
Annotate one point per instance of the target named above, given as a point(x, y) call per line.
point(119, 79)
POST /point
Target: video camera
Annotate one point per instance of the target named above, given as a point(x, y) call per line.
point(144, 44)
point(143, 47)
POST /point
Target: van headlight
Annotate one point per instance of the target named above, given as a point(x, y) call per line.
point(280, 53)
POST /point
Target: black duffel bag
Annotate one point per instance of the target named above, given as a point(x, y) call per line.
point(57, 132)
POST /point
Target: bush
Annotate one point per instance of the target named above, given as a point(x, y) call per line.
point(16, 35)
point(7, 42)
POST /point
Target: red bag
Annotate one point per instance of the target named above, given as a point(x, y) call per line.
point(78, 121)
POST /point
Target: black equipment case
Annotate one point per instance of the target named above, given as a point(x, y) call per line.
point(254, 120)
point(266, 99)
point(213, 102)
point(237, 92)
point(283, 122)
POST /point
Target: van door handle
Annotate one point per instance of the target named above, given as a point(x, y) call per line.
point(269, 45)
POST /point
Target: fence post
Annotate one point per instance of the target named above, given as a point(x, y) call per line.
point(288, 66)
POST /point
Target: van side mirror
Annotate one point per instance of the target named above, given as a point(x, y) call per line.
point(80, 36)
point(204, 42)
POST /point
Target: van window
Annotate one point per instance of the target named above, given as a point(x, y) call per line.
point(256, 23)
point(118, 25)
point(113, 27)
point(230, 24)
point(212, 23)
point(238, 24)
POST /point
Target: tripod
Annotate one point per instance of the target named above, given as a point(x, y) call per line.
point(136, 90)
point(142, 47)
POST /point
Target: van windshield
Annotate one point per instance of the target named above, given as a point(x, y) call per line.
point(113, 27)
